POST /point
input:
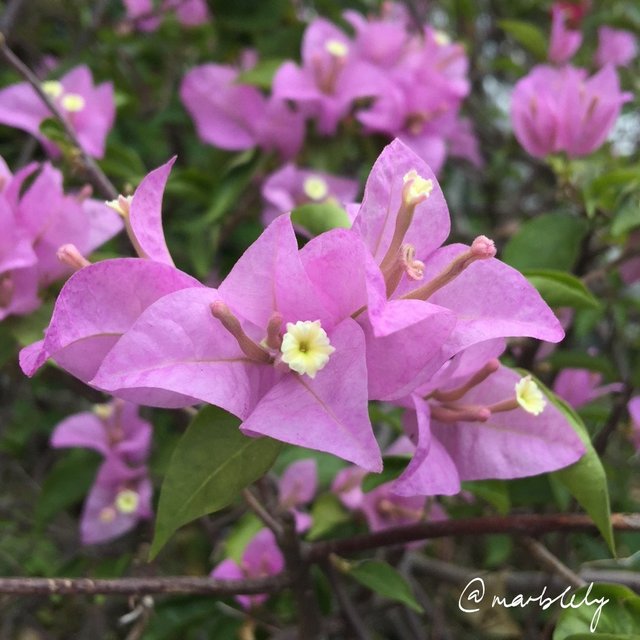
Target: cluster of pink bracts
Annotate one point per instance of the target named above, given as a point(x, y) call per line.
point(297, 342)
point(560, 108)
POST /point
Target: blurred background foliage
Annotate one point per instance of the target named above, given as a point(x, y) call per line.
point(565, 216)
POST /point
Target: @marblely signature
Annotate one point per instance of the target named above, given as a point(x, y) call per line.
point(474, 593)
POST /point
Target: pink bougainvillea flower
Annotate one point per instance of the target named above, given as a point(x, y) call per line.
point(264, 346)
point(290, 187)
point(403, 221)
point(234, 116)
point(634, 412)
point(382, 42)
point(478, 420)
point(384, 509)
point(347, 485)
point(615, 46)
point(564, 41)
point(331, 78)
point(298, 486)
point(420, 106)
point(580, 386)
point(146, 17)
point(113, 428)
point(555, 110)
point(34, 233)
point(119, 499)
point(84, 327)
point(261, 558)
point(89, 109)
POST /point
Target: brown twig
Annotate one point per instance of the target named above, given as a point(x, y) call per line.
point(310, 624)
point(517, 524)
point(299, 558)
point(550, 562)
point(349, 611)
point(142, 586)
point(255, 506)
point(617, 412)
point(95, 173)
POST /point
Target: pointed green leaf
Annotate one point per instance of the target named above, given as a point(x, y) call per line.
point(527, 35)
point(618, 608)
point(318, 217)
point(262, 74)
point(586, 479)
point(386, 581)
point(495, 492)
point(561, 289)
point(327, 512)
point(548, 241)
point(393, 467)
point(211, 465)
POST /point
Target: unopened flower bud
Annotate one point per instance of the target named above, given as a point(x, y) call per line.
point(68, 254)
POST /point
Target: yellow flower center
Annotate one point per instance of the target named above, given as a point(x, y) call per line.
point(127, 501)
point(306, 347)
point(315, 188)
point(441, 38)
point(336, 48)
point(529, 396)
point(103, 411)
point(416, 188)
point(52, 88)
point(73, 102)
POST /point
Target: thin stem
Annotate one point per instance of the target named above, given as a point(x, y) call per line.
point(98, 178)
point(351, 614)
point(310, 624)
point(551, 562)
point(299, 558)
point(141, 586)
point(255, 506)
point(617, 412)
point(518, 524)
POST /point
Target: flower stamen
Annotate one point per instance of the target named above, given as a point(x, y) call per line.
point(482, 248)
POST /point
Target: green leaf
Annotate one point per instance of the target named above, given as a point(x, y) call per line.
point(602, 636)
point(619, 617)
point(262, 74)
point(29, 329)
point(242, 533)
point(549, 241)
point(627, 218)
point(67, 484)
point(386, 581)
point(527, 35)
point(393, 467)
point(586, 479)
point(211, 465)
point(561, 289)
point(320, 217)
point(229, 191)
point(123, 161)
point(495, 492)
point(53, 130)
point(327, 512)
point(606, 190)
